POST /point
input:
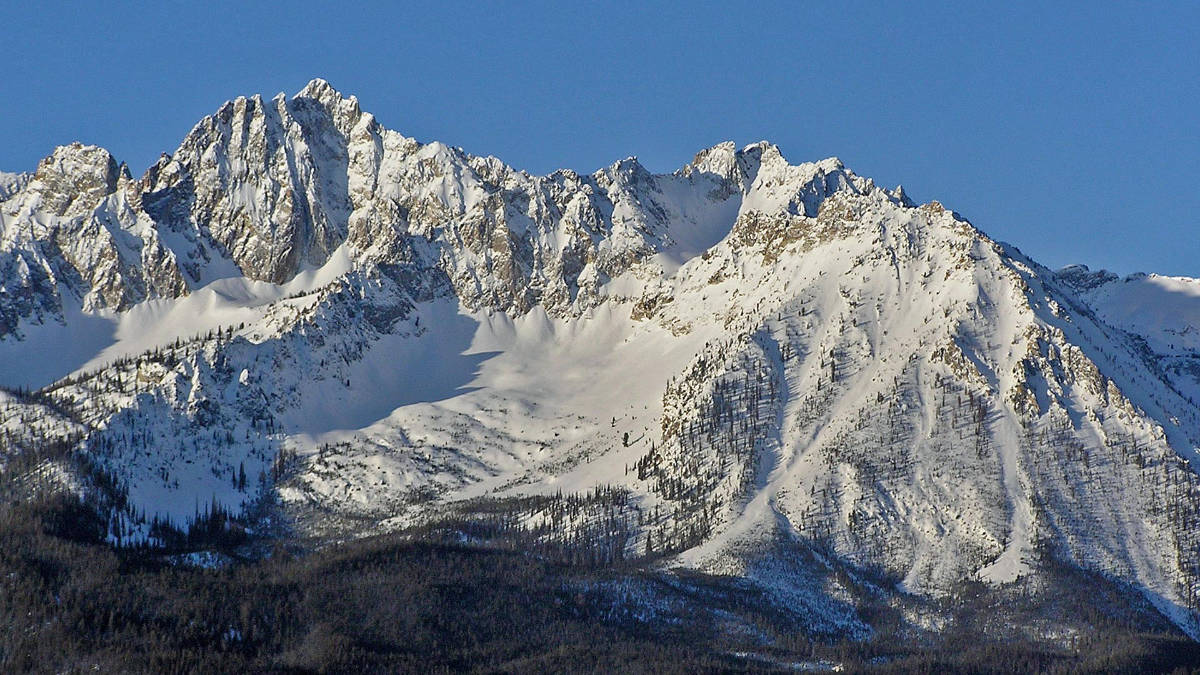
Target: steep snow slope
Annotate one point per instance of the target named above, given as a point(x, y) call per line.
point(736, 359)
point(1164, 312)
point(932, 409)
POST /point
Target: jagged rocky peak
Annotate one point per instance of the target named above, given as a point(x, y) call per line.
point(901, 196)
point(272, 187)
point(720, 159)
point(74, 178)
point(318, 89)
point(343, 111)
point(279, 185)
point(738, 167)
point(1081, 278)
point(266, 180)
point(627, 172)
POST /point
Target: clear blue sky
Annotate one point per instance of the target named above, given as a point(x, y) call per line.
point(1071, 130)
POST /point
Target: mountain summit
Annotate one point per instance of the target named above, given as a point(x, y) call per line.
point(744, 367)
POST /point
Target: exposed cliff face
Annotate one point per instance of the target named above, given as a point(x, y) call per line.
point(266, 189)
point(277, 186)
point(261, 182)
point(69, 237)
point(752, 351)
point(73, 180)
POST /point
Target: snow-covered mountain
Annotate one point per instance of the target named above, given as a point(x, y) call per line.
point(715, 364)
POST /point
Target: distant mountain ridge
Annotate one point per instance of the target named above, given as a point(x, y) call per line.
point(302, 308)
